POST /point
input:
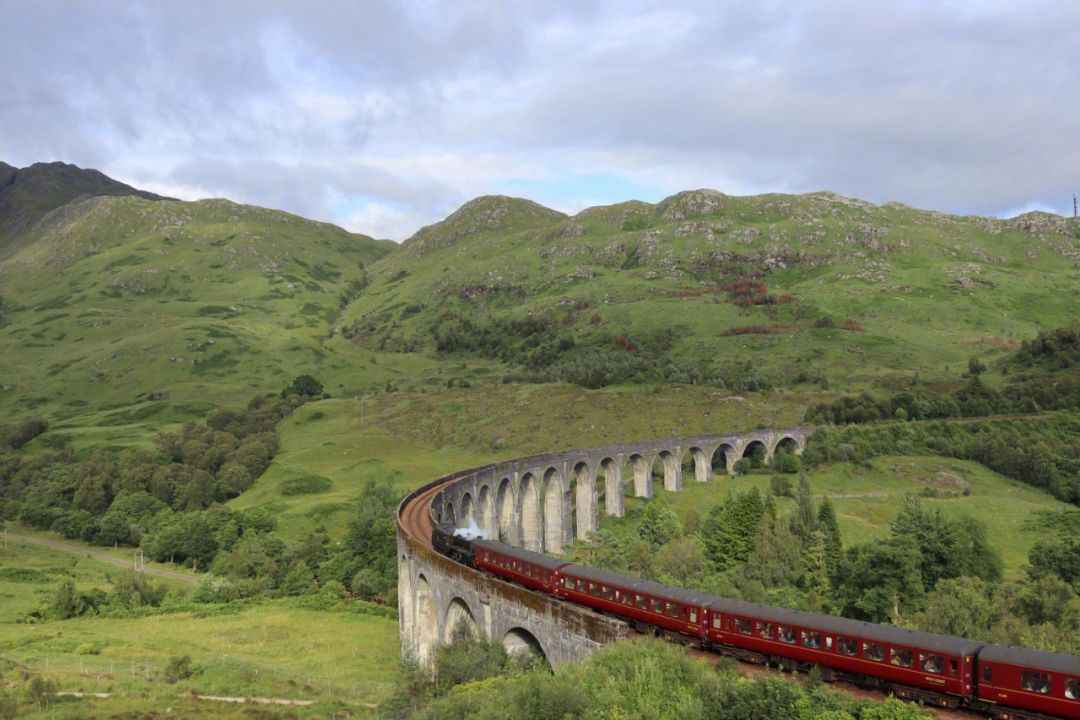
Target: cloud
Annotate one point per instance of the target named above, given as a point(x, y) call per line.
point(384, 116)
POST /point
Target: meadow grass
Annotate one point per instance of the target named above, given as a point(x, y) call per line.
point(338, 657)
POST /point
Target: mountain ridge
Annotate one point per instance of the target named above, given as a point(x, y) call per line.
point(30, 193)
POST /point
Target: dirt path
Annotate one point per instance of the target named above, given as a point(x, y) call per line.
point(112, 560)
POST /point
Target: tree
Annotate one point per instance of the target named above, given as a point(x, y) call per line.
point(92, 495)
point(306, 386)
point(816, 580)
point(370, 542)
point(184, 537)
point(775, 558)
point(834, 547)
point(232, 479)
point(683, 561)
point(168, 482)
point(729, 529)
point(128, 517)
point(804, 521)
point(65, 603)
point(883, 580)
point(947, 548)
point(199, 492)
point(659, 523)
point(963, 607)
point(1059, 557)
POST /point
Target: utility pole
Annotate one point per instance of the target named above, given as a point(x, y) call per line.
point(1074, 206)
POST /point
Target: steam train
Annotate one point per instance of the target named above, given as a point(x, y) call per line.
point(1005, 683)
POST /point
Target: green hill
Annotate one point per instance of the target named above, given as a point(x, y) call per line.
point(120, 302)
point(783, 289)
point(28, 194)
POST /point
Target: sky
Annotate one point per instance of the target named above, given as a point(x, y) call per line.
point(383, 117)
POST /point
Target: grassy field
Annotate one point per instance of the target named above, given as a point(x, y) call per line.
point(411, 438)
point(867, 499)
point(338, 658)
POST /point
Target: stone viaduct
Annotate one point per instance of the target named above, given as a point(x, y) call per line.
point(542, 503)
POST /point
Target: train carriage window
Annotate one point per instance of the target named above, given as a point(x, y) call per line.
point(873, 651)
point(901, 657)
point(568, 582)
point(952, 667)
point(931, 663)
point(1072, 688)
point(642, 603)
point(581, 586)
point(811, 638)
point(593, 590)
point(693, 616)
point(765, 629)
point(672, 610)
point(628, 599)
point(786, 634)
point(716, 621)
point(988, 674)
point(1035, 682)
point(605, 591)
point(618, 596)
point(744, 626)
point(828, 642)
point(847, 646)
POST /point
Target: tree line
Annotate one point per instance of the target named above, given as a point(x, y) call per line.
point(1043, 452)
point(170, 503)
point(742, 548)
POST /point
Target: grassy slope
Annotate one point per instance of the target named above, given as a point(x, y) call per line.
point(118, 287)
point(205, 302)
point(929, 289)
point(410, 438)
point(867, 499)
point(273, 650)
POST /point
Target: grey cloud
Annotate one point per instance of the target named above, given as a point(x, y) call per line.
point(962, 106)
point(310, 190)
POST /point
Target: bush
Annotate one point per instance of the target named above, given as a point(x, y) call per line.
point(178, 668)
point(306, 386)
point(88, 649)
point(781, 486)
point(15, 436)
point(39, 691)
point(213, 589)
point(305, 485)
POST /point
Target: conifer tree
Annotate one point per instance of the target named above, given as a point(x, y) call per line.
point(804, 521)
point(834, 547)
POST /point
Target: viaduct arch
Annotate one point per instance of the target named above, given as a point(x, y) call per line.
point(543, 503)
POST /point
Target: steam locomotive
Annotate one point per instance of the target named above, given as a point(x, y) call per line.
point(1005, 683)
